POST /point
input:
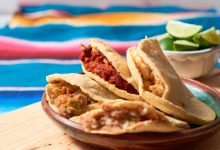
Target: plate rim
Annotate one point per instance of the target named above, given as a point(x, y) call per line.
point(211, 128)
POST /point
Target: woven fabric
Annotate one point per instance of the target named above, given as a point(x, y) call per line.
point(44, 39)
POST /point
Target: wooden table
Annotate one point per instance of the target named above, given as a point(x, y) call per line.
point(29, 128)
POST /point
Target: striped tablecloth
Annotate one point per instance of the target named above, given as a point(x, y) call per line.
point(43, 39)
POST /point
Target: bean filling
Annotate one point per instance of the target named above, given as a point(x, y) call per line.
point(115, 119)
point(70, 100)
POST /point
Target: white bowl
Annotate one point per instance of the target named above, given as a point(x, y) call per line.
point(193, 64)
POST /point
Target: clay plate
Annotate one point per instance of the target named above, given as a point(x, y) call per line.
point(147, 140)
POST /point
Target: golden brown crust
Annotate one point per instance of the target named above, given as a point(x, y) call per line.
point(121, 116)
point(177, 100)
point(118, 62)
point(112, 87)
point(120, 65)
point(79, 99)
point(87, 85)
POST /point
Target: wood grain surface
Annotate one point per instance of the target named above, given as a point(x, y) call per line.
point(29, 128)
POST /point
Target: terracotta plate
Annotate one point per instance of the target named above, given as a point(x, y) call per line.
point(147, 140)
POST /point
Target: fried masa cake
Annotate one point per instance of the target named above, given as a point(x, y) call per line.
point(120, 116)
point(74, 94)
point(101, 63)
point(159, 84)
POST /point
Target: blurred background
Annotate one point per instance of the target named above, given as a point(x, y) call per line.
point(42, 37)
point(10, 6)
point(7, 8)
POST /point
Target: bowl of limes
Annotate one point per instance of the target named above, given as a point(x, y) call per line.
point(192, 52)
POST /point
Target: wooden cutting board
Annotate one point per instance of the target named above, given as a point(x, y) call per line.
point(29, 128)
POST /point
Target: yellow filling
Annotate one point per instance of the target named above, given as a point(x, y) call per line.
point(152, 82)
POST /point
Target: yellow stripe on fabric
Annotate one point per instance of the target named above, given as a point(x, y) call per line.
point(107, 19)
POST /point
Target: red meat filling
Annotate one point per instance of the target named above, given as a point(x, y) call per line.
point(98, 64)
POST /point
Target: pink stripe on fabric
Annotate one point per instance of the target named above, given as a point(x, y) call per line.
point(27, 3)
point(12, 48)
point(22, 88)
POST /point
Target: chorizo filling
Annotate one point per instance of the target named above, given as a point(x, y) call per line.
point(111, 118)
point(152, 82)
point(69, 100)
point(95, 62)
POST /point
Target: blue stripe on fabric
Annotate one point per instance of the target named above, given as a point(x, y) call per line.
point(62, 32)
point(218, 64)
point(80, 10)
point(11, 100)
point(33, 74)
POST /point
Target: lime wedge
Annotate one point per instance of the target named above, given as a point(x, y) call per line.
point(202, 43)
point(184, 45)
point(165, 41)
point(180, 30)
point(164, 36)
point(211, 36)
point(207, 38)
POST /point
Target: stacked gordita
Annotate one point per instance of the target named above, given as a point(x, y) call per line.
point(115, 96)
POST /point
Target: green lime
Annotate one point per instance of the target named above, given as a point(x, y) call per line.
point(163, 36)
point(165, 41)
point(180, 30)
point(184, 45)
point(207, 38)
point(202, 43)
